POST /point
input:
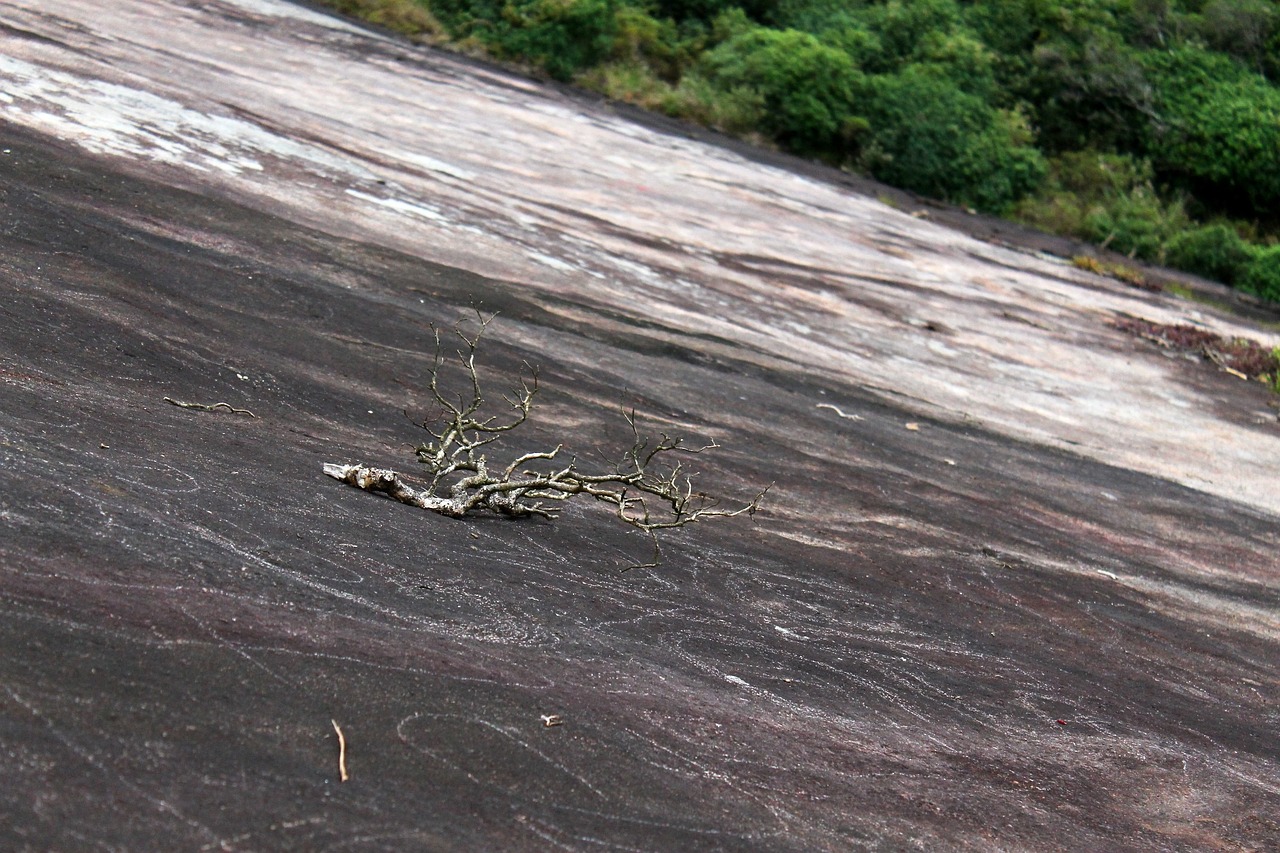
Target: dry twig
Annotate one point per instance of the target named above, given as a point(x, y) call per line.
point(646, 489)
point(840, 412)
point(209, 407)
point(342, 752)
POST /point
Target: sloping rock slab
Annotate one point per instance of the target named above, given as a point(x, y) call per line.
point(933, 637)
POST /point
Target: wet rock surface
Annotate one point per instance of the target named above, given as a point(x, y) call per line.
point(1013, 626)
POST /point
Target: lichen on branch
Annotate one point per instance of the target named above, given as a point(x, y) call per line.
point(647, 486)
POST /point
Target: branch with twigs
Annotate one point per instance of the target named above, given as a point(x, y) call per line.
point(646, 487)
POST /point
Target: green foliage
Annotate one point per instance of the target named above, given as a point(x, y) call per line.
point(812, 16)
point(860, 44)
point(1091, 91)
point(628, 80)
point(738, 110)
point(807, 88)
point(1076, 63)
point(1262, 276)
point(559, 36)
point(902, 28)
point(1273, 378)
point(1220, 133)
point(1138, 223)
point(928, 135)
point(1108, 199)
point(967, 61)
point(1098, 176)
point(643, 40)
point(706, 10)
point(884, 38)
point(1213, 251)
point(730, 23)
point(1011, 28)
point(1242, 28)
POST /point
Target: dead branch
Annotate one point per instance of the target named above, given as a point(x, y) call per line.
point(646, 487)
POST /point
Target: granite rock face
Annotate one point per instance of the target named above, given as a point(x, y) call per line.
point(1043, 617)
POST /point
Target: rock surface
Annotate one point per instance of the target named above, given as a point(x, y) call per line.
point(1043, 618)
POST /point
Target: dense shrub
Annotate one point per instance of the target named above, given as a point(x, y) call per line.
point(559, 36)
point(739, 110)
point(1138, 223)
point(1108, 199)
point(928, 135)
point(1074, 64)
point(627, 80)
point(1220, 129)
point(902, 26)
point(1242, 28)
point(1262, 276)
point(806, 87)
point(563, 36)
point(706, 10)
point(1090, 91)
point(965, 60)
point(643, 40)
point(1213, 251)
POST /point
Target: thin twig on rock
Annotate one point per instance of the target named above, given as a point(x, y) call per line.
point(342, 752)
point(209, 407)
point(840, 412)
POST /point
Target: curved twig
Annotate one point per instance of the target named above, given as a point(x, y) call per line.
point(210, 407)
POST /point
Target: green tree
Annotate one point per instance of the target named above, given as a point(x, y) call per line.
point(560, 36)
point(1106, 198)
point(1242, 28)
point(960, 56)
point(928, 135)
point(1214, 251)
point(1091, 91)
point(707, 10)
point(658, 44)
point(1219, 131)
point(807, 88)
point(902, 27)
point(1262, 277)
point(1076, 63)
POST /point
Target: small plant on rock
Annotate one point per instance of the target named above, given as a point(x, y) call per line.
point(646, 487)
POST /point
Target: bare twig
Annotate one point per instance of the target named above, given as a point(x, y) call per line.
point(342, 752)
point(209, 407)
point(645, 487)
point(841, 413)
point(1218, 359)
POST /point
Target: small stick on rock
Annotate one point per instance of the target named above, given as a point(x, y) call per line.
point(342, 752)
point(842, 414)
point(210, 407)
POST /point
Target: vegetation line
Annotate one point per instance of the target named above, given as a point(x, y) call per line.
point(1149, 127)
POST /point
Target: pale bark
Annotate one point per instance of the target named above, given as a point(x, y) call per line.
point(644, 488)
